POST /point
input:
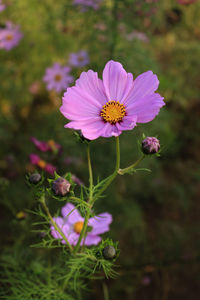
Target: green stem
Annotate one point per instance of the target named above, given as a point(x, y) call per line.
point(126, 170)
point(83, 231)
point(105, 291)
point(57, 228)
point(78, 200)
point(114, 174)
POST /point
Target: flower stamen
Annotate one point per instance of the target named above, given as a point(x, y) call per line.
point(58, 77)
point(9, 37)
point(41, 163)
point(78, 227)
point(113, 112)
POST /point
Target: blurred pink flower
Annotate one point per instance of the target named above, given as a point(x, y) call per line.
point(186, 2)
point(71, 224)
point(37, 161)
point(84, 4)
point(77, 180)
point(10, 36)
point(2, 6)
point(146, 280)
point(72, 160)
point(45, 146)
point(79, 59)
point(34, 88)
point(137, 35)
point(109, 106)
point(58, 78)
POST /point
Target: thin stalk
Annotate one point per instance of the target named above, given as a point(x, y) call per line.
point(114, 174)
point(76, 199)
point(83, 231)
point(57, 228)
point(126, 170)
point(105, 291)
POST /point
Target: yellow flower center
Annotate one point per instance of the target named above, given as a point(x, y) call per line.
point(113, 112)
point(80, 58)
point(78, 226)
point(58, 77)
point(9, 37)
point(51, 143)
point(41, 164)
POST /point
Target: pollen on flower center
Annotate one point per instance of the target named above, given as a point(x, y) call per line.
point(113, 112)
point(41, 163)
point(78, 226)
point(51, 143)
point(9, 37)
point(80, 58)
point(58, 77)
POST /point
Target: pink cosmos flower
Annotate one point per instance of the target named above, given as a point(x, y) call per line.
point(137, 35)
point(71, 225)
point(186, 2)
point(46, 146)
point(37, 161)
point(79, 59)
point(10, 36)
point(2, 6)
point(109, 106)
point(58, 78)
point(87, 3)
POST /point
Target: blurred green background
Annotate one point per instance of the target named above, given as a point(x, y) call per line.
point(156, 215)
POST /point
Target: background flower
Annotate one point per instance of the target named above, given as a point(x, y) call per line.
point(88, 3)
point(42, 164)
point(106, 108)
point(2, 6)
point(79, 59)
point(45, 146)
point(72, 223)
point(58, 78)
point(10, 36)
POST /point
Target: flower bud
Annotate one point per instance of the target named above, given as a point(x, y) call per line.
point(150, 145)
point(109, 252)
point(61, 187)
point(35, 178)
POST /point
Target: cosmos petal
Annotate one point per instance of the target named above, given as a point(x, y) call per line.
point(100, 223)
point(145, 84)
point(147, 108)
point(71, 214)
point(91, 240)
point(117, 82)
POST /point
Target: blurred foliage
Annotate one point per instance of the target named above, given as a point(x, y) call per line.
point(156, 215)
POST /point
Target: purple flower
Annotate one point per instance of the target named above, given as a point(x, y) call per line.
point(10, 36)
point(146, 280)
point(79, 59)
point(109, 106)
point(84, 4)
point(137, 35)
point(71, 225)
point(42, 164)
point(186, 2)
point(2, 6)
point(58, 78)
point(44, 146)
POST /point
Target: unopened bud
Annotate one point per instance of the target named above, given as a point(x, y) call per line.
point(109, 252)
point(150, 145)
point(61, 187)
point(35, 178)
